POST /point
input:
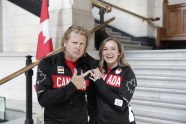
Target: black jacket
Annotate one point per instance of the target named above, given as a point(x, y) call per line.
point(115, 91)
point(62, 102)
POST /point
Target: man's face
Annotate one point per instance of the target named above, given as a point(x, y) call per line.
point(75, 46)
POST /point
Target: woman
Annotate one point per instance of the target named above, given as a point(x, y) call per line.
point(115, 82)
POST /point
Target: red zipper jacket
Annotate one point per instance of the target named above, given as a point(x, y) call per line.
point(115, 91)
point(62, 102)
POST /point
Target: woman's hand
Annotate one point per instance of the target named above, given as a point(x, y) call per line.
point(96, 74)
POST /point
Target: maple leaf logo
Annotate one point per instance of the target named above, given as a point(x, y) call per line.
point(41, 76)
point(131, 84)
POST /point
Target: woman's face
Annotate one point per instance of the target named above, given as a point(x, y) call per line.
point(111, 53)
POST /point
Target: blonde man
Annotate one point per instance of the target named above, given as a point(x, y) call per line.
point(63, 81)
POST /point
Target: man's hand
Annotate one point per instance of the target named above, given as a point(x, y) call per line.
point(78, 80)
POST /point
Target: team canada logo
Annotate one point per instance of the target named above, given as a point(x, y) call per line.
point(113, 80)
point(61, 81)
point(118, 71)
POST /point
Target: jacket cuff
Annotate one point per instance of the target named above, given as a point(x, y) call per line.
point(71, 88)
point(99, 82)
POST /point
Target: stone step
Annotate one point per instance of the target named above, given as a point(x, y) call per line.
point(161, 82)
point(121, 36)
point(162, 91)
point(167, 71)
point(110, 32)
point(160, 54)
point(157, 61)
point(159, 104)
point(158, 93)
point(143, 119)
point(159, 114)
point(135, 47)
point(156, 54)
point(107, 29)
point(160, 100)
point(125, 42)
point(160, 108)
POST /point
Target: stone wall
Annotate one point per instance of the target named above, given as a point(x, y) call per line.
point(20, 28)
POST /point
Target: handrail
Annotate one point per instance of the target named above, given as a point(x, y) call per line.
point(101, 25)
point(149, 20)
point(100, 4)
point(26, 68)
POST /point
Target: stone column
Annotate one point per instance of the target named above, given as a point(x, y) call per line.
point(66, 13)
point(82, 15)
point(1, 28)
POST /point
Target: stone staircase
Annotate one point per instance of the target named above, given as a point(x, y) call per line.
point(126, 41)
point(160, 97)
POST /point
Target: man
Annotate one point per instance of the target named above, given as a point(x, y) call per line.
point(63, 80)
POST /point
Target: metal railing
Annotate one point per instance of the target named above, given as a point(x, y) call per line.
point(148, 20)
point(26, 68)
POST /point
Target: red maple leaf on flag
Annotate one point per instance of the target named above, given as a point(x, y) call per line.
point(44, 45)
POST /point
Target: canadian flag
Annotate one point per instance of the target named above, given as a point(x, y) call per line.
point(44, 45)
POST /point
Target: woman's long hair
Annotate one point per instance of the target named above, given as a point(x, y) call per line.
point(121, 59)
